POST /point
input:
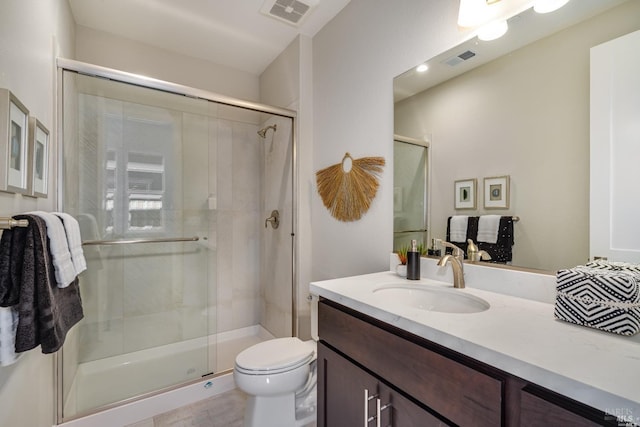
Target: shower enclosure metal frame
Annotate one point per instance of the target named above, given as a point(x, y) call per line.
point(78, 67)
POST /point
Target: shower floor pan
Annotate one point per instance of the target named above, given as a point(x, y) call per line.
point(118, 378)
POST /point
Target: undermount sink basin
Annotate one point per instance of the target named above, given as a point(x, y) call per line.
point(430, 299)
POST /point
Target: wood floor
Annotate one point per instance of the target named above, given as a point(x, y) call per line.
point(223, 410)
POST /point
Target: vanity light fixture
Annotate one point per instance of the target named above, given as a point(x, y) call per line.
point(490, 16)
point(422, 68)
point(493, 30)
point(546, 6)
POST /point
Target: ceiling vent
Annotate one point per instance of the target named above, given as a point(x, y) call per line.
point(290, 11)
point(464, 56)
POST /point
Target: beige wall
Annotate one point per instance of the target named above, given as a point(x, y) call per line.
point(32, 33)
point(525, 115)
point(108, 50)
point(286, 83)
point(355, 58)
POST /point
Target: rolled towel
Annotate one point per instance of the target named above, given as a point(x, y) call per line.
point(74, 240)
point(488, 226)
point(65, 272)
point(458, 228)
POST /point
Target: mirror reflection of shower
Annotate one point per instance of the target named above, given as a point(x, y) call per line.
point(263, 132)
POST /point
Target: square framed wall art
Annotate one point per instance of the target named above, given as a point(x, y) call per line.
point(496, 192)
point(14, 151)
point(39, 162)
point(465, 193)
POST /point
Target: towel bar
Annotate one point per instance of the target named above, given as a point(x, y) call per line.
point(135, 241)
point(422, 230)
point(7, 223)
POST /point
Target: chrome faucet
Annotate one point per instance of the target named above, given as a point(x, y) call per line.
point(456, 260)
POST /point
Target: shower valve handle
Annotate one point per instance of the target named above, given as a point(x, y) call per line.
point(274, 219)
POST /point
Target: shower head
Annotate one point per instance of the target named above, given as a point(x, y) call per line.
point(263, 132)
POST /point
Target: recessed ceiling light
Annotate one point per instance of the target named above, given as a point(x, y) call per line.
point(422, 68)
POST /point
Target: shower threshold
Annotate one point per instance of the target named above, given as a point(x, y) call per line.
point(98, 385)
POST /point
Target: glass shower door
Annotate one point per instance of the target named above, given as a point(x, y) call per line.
point(136, 175)
point(410, 219)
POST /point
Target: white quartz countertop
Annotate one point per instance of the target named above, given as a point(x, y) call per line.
point(516, 335)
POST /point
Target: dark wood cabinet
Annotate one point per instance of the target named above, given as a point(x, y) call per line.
point(420, 383)
point(348, 395)
point(542, 408)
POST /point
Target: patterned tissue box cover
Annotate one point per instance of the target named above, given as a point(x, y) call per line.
point(600, 295)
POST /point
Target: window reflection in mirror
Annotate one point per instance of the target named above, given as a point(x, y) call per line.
point(410, 191)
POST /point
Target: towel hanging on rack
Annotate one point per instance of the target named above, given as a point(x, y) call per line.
point(488, 226)
point(45, 311)
point(65, 272)
point(74, 240)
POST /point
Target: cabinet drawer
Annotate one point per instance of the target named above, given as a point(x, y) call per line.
point(457, 392)
point(539, 411)
point(341, 397)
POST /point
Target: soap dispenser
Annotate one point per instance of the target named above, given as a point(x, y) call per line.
point(433, 250)
point(413, 262)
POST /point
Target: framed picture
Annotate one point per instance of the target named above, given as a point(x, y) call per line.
point(496, 192)
point(39, 164)
point(14, 150)
point(465, 194)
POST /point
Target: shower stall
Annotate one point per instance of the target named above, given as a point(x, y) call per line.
point(410, 192)
point(175, 190)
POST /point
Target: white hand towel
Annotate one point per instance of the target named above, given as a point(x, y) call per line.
point(61, 257)
point(488, 228)
point(74, 240)
point(458, 228)
point(8, 328)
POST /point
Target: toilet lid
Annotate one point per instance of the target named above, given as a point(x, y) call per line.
point(275, 355)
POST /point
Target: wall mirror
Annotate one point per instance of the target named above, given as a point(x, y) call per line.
point(518, 107)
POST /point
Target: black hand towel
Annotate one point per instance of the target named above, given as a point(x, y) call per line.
point(9, 286)
point(46, 312)
point(501, 251)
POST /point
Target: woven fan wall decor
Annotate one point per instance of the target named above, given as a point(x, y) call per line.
point(347, 188)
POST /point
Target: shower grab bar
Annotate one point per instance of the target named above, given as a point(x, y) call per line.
point(135, 241)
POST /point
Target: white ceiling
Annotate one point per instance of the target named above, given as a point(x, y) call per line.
point(524, 28)
point(233, 33)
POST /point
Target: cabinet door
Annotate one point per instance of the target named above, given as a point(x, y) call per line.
point(615, 107)
point(341, 397)
point(341, 388)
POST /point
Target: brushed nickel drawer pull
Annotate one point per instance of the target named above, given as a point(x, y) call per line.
point(379, 410)
point(367, 398)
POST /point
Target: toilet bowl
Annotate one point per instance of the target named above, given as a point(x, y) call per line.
point(279, 377)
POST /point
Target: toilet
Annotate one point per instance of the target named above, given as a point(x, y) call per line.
point(279, 376)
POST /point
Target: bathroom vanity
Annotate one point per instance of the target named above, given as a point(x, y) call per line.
point(392, 362)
